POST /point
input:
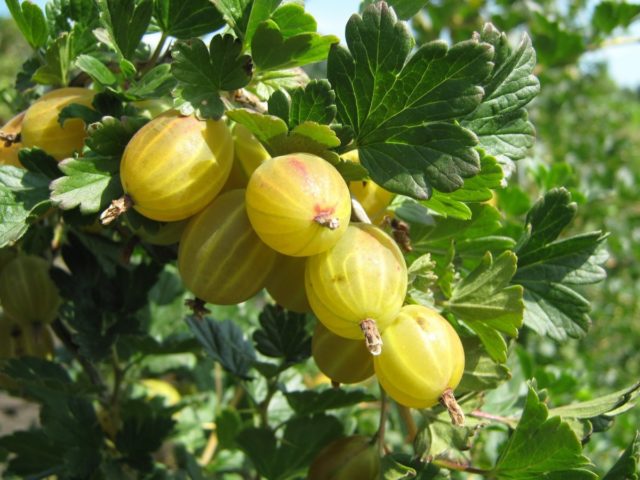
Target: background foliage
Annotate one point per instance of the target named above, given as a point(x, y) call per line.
point(588, 136)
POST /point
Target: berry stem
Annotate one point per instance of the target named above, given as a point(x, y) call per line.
point(332, 223)
point(197, 307)
point(117, 208)
point(9, 138)
point(384, 412)
point(448, 401)
point(372, 336)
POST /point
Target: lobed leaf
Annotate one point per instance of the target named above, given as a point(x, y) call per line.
point(549, 268)
point(541, 445)
point(225, 343)
point(283, 334)
point(185, 20)
point(403, 109)
point(310, 402)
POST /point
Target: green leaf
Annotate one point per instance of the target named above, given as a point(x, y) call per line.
point(283, 334)
point(501, 121)
point(30, 20)
point(157, 82)
point(90, 182)
point(609, 15)
point(274, 134)
point(38, 161)
point(626, 468)
point(302, 439)
point(145, 425)
point(421, 276)
point(261, 10)
point(394, 470)
point(96, 69)
point(609, 405)
point(540, 445)
point(36, 455)
point(485, 297)
point(126, 22)
point(406, 131)
point(314, 103)
point(185, 20)
point(225, 343)
point(236, 12)
point(474, 189)
point(228, 425)
point(23, 196)
point(272, 50)
point(57, 61)
point(481, 372)
point(309, 401)
point(548, 268)
point(203, 73)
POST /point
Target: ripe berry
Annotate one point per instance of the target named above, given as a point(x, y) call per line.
point(9, 152)
point(220, 258)
point(362, 278)
point(286, 283)
point(298, 204)
point(174, 166)
point(40, 126)
point(348, 458)
point(422, 357)
point(373, 198)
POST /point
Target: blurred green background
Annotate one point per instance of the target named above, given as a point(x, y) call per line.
point(588, 140)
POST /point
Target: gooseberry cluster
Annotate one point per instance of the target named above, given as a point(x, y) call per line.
point(244, 222)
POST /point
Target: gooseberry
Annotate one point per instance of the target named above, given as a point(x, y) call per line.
point(349, 458)
point(220, 258)
point(362, 279)
point(422, 357)
point(298, 204)
point(175, 165)
point(9, 151)
point(341, 359)
point(285, 283)
point(27, 293)
point(40, 126)
point(373, 198)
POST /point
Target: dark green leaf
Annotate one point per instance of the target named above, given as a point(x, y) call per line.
point(279, 105)
point(75, 110)
point(126, 22)
point(145, 425)
point(236, 12)
point(293, 20)
point(36, 455)
point(23, 195)
point(225, 343)
point(185, 20)
point(549, 268)
point(96, 69)
point(228, 425)
point(38, 161)
point(626, 468)
point(90, 183)
point(283, 334)
point(407, 135)
point(303, 437)
point(500, 121)
point(485, 297)
point(309, 402)
point(203, 73)
point(271, 50)
point(30, 20)
point(540, 445)
point(314, 103)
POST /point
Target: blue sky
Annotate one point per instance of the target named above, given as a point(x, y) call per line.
point(332, 16)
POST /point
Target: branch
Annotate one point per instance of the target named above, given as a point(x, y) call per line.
point(460, 467)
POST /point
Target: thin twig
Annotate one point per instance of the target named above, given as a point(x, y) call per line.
point(460, 467)
point(156, 54)
point(384, 411)
point(511, 422)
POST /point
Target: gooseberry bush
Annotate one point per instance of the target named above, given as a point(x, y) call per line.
point(250, 251)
